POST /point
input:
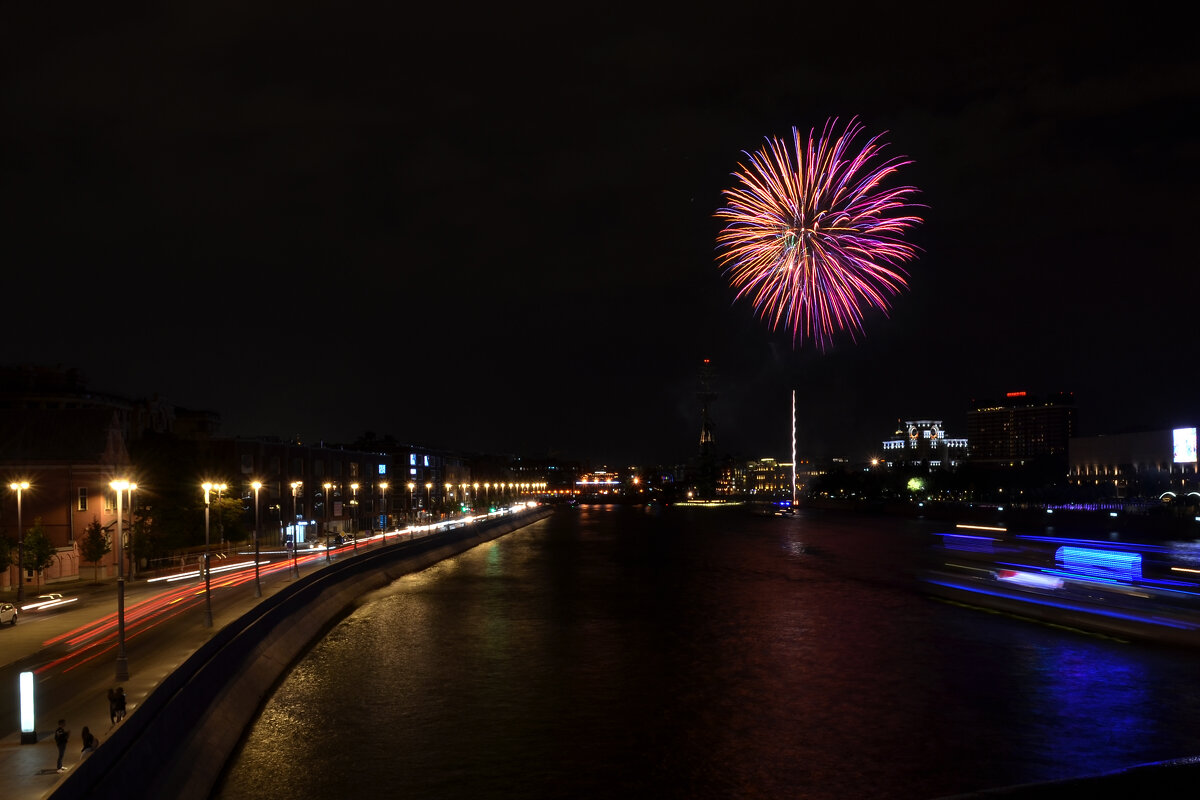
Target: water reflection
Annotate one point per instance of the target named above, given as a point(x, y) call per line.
point(703, 654)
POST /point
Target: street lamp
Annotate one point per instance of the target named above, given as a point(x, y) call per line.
point(208, 618)
point(257, 583)
point(354, 516)
point(383, 486)
point(295, 528)
point(18, 487)
point(122, 662)
point(412, 517)
point(429, 496)
point(328, 486)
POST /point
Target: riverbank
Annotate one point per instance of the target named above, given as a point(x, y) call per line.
point(177, 741)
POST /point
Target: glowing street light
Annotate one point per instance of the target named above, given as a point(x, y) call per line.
point(18, 487)
point(354, 516)
point(257, 583)
point(429, 496)
point(383, 521)
point(327, 486)
point(122, 662)
point(295, 527)
point(208, 617)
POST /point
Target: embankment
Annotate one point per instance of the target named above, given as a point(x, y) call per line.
point(177, 742)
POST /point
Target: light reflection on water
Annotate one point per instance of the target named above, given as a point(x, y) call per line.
point(695, 653)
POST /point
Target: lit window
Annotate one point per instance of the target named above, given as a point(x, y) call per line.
point(82, 505)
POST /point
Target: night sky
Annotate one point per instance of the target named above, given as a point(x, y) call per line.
point(493, 230)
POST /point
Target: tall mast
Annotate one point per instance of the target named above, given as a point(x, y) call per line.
point(793, 450)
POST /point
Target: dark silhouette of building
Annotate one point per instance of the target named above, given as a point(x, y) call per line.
point(1021, 428)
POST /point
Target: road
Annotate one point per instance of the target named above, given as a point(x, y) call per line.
point(72, 649)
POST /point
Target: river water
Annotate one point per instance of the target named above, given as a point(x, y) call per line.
point(699, 653)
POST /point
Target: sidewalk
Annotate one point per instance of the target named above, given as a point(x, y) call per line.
point(28, 770)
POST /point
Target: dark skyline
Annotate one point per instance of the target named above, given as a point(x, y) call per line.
point(493, 230)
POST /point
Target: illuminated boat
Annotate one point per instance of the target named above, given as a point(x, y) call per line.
point(1130, 591)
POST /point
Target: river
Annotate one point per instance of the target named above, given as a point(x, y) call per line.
point(700, 653)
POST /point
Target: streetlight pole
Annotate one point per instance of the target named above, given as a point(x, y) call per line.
point(18, 487)
point(354, 516)
point(383, 487)
point(257, 583)
point(429, 496)
point(122, 662)
point(208, 617)
point(412, 518)
point(295, 528)
point(328, 486)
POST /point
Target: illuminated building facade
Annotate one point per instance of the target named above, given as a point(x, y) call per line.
point(1020, 428)
point(1146, 464)
point(923, 442)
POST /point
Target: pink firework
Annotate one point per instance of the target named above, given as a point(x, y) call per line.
point(813, 237)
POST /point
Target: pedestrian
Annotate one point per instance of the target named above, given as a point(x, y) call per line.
point(112, 706)
point(120, 707)
point(89, 741)
point(61, 735)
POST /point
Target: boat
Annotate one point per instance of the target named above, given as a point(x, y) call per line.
point(1125, 590)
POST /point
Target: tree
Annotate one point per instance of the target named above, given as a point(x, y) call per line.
point(6, 559)
point(39, 552)
point(95, 546)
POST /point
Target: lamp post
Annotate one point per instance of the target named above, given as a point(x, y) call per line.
point(383, 486)
point(411, 516)
point(18, 487)
point(354, 516)
point(446, 498)
point(122, 662)
point(208, 618)
point(295, 528)
point(328, 486)
point(257, 583)
point(429, 496)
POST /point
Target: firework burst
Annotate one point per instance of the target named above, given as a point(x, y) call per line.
point(813, 237)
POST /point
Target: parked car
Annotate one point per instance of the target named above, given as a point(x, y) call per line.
point(8, 614)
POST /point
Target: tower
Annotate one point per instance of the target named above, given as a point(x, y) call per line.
point(706, 467)
point(707, 396)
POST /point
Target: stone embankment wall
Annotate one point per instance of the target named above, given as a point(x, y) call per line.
point(178, 741)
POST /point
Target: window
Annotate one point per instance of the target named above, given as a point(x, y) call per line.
point(82, 503)
point(110, 502)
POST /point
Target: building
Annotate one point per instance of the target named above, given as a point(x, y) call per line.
point(924, 443)
point(1021, 428)
point(1147, 464)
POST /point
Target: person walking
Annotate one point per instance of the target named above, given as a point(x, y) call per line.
point(89, 741)
point(112, 707)
point(119, 706)
point(61, 735)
